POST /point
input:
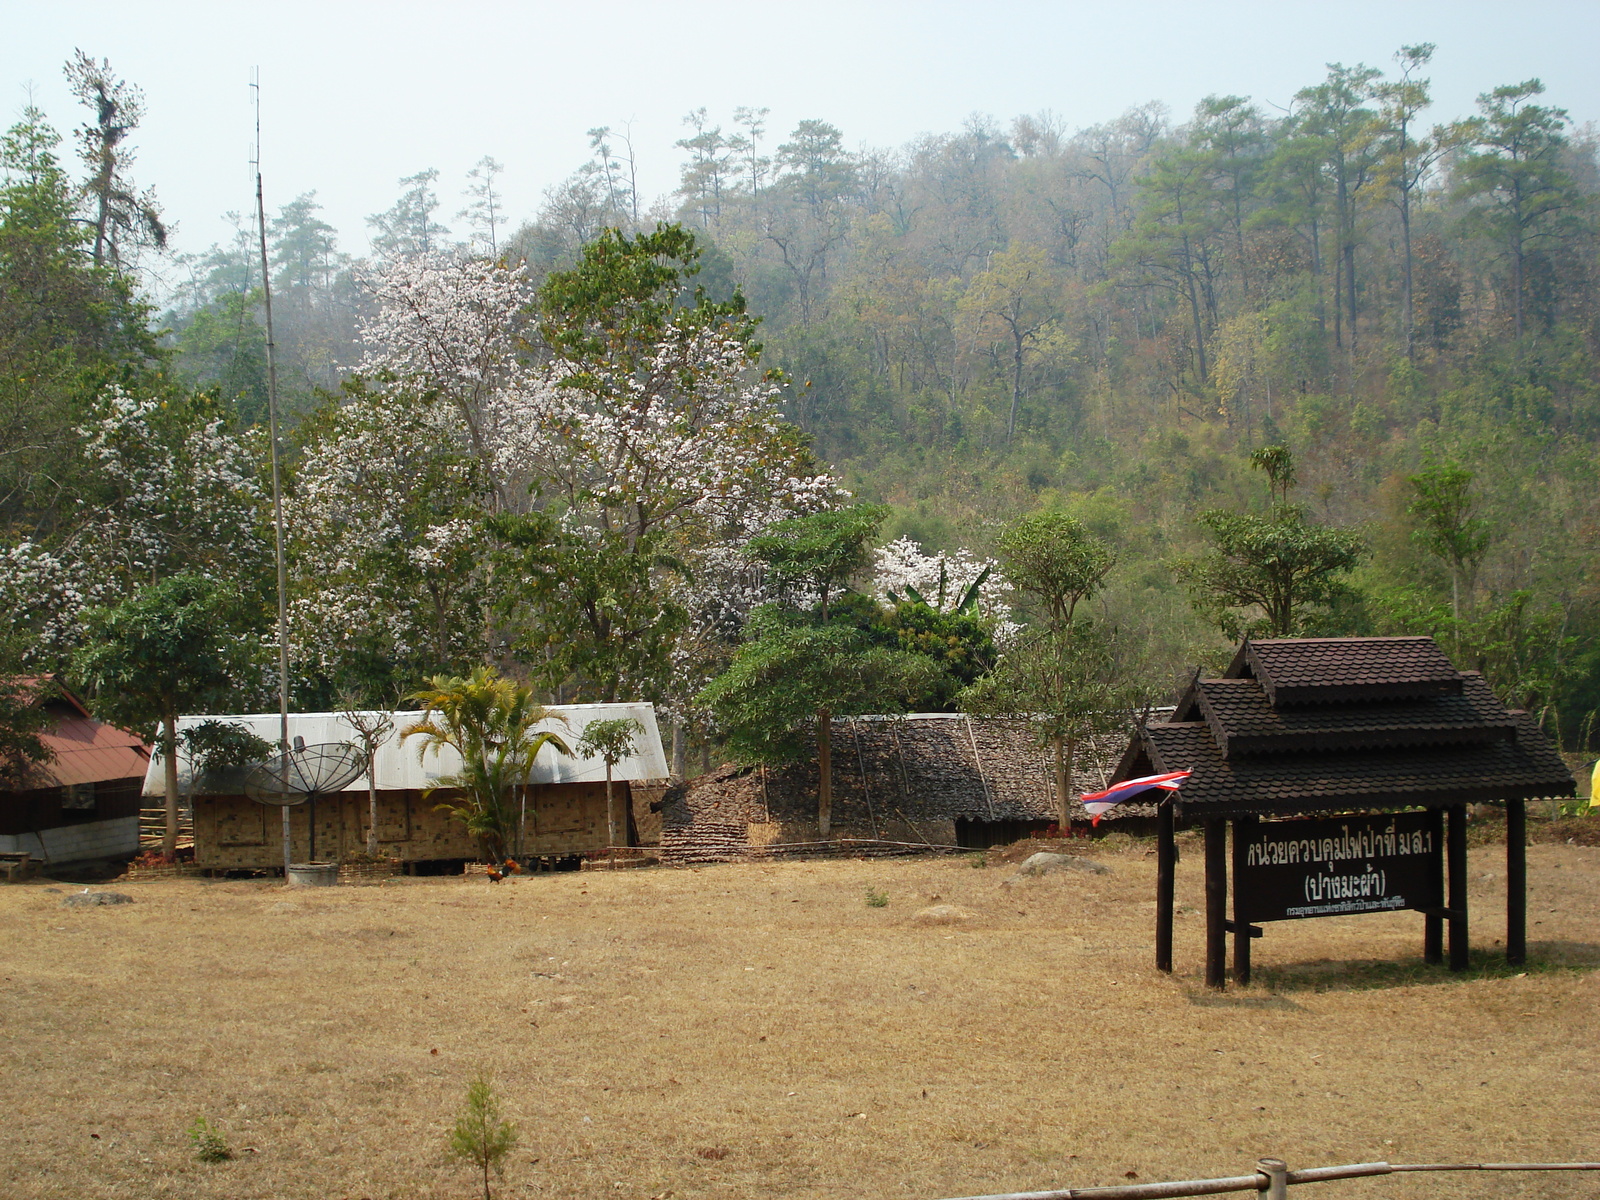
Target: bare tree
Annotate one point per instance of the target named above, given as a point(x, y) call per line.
point(123, 217)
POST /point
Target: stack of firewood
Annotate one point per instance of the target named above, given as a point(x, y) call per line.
point(707, 840)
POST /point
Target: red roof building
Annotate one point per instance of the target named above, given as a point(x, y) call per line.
point(84, 802)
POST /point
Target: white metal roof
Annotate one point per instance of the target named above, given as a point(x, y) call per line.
point(400, 766)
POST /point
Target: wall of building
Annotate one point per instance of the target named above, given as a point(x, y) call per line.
point(54, 807)
point(81, 842)
point(237, 833)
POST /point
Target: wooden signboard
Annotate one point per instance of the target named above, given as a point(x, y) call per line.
point(1288, 870)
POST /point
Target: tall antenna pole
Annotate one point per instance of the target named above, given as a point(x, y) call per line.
point(277, 484)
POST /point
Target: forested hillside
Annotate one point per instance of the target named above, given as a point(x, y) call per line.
point(1393, 313)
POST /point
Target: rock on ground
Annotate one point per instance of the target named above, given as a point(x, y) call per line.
point(943, 914)
point(1045, 863)
point(95, 899)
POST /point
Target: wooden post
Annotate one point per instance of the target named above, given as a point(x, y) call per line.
point(1277, 1173)
point(1166, 862)
point(1243, 828)
point(824, 773)
point(1433, 923)
point(1456, 851)
point(1216, 903)
point(1516, 882)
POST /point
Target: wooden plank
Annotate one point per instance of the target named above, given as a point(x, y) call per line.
point(1433, 923)
point(1166, 863)
point(1243, 828)
point(1216, 904)
point(1456, 853)
point(1516, 882)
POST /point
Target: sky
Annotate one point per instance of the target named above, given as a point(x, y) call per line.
point(356, 95)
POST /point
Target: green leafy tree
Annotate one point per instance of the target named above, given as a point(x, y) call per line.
point(480, 1136)
point(1516, 173)
point(1069, 683)
point(175, 646)
point(611, 740)
point(1276, 568)
point(1444, 506)
point(593, 611)
point(1265, 575)
point(628, 293)
point(1055, 563)
point(1278, 463)
point(66, 325)
point(492, 723)
point(1064, 673)
point(819, 555)
point(799, 668)
point(792, 676)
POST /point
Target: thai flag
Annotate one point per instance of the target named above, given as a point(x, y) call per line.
point(1099, 803)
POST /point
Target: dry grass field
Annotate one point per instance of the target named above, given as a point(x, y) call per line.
point(760, 1030)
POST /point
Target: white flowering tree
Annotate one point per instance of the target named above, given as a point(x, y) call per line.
point(386, 542)
point(170, 488)
point(451, 330)
point(616, 437)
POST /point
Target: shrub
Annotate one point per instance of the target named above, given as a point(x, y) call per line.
point(480, 1137)
point(209, 1144)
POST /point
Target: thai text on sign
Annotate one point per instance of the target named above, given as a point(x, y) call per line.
point(1293, 869)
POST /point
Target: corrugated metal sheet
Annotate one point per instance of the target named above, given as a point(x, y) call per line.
point(401, 767)
point(88, 751)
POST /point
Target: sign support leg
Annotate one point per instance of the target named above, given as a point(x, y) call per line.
point(1166, 862)
point(1516, 882)
point(1216, 903)
point(1456, 851)
point(1243, 827)
point(1433, 923)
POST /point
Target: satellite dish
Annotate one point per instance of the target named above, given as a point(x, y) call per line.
point(303, 774)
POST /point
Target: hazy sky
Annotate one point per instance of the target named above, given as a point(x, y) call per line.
point(356, 95)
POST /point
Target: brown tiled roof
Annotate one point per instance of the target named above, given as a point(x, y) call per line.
point(1526, 767)
point(1325, 724)
point(1321, 670)
point(1244, 721)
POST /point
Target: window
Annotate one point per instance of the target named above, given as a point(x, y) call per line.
point(78, 797)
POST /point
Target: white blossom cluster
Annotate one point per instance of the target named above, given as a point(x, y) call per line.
point(687, 441)
point(385, 543)
point(174, 493)
point(185, 497)
point(903, 563)
point(450, 329)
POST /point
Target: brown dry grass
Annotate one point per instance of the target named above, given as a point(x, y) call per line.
point(759, 1030)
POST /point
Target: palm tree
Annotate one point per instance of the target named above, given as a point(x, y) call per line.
point(492, 723)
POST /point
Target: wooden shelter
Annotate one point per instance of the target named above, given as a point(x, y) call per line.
point(565, 811)
point(1309, 727)
point(83, 804)
point(943, 779)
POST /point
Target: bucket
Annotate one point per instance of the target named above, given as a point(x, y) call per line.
point(313, 874)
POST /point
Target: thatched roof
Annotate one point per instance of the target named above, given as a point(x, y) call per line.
point(923, 767)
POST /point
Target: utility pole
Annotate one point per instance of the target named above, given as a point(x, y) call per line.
point(277, 484)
